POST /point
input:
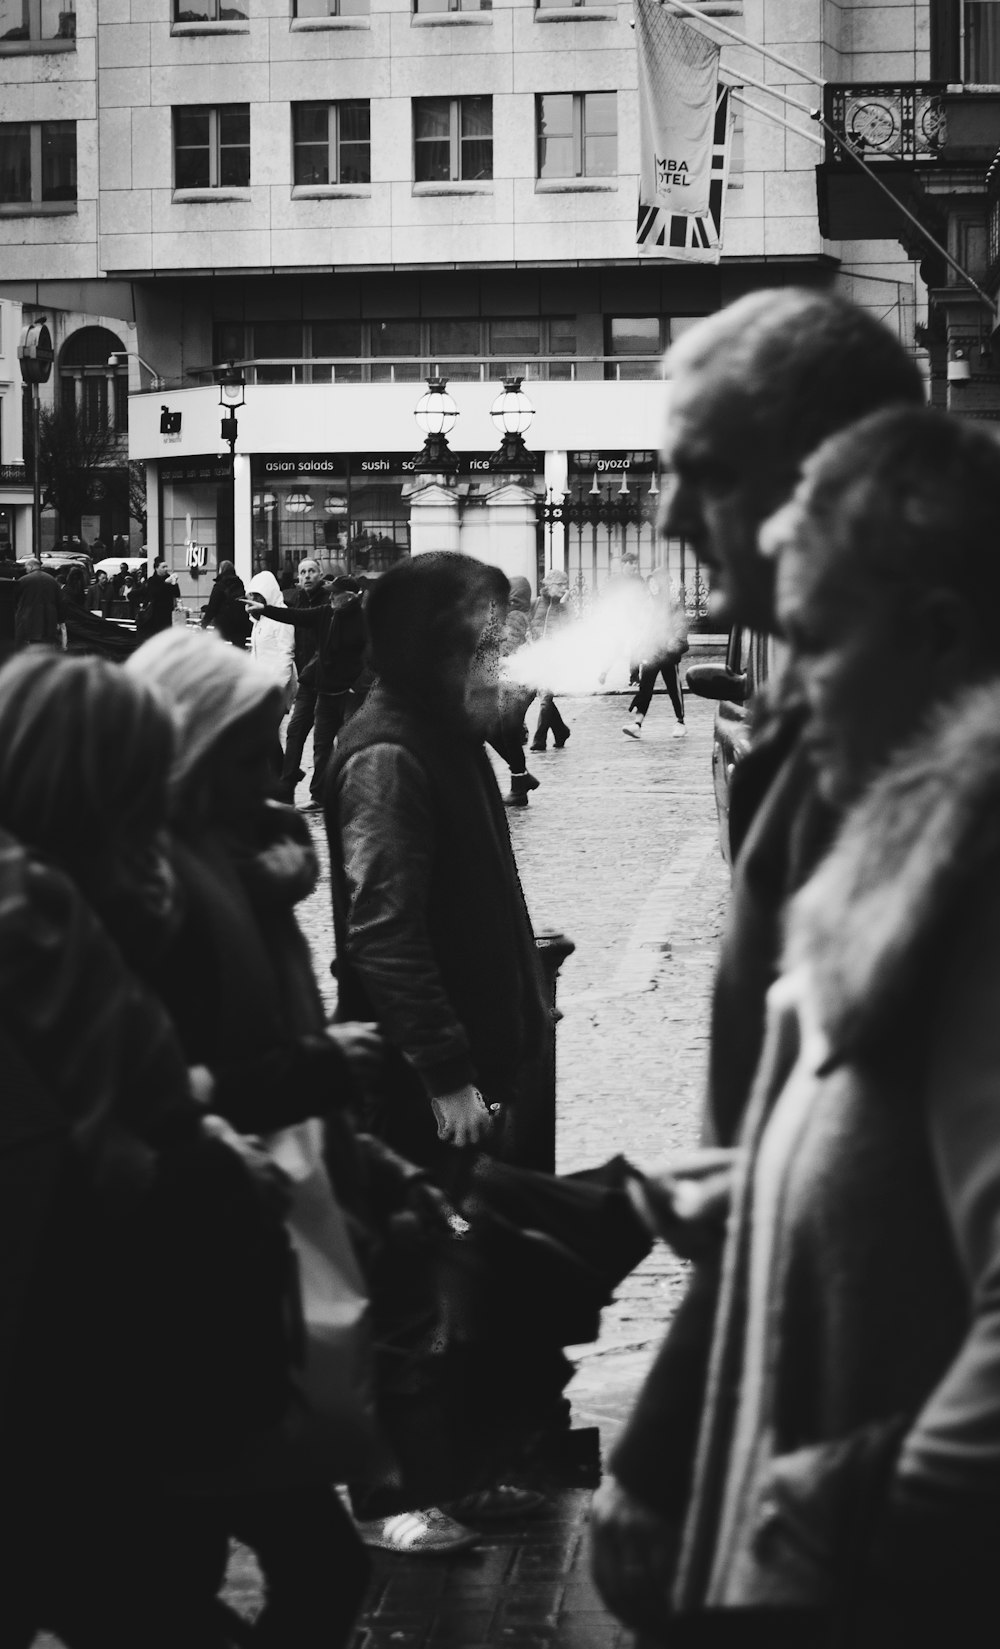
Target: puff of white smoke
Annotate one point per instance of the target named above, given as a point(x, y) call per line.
point(628, 622)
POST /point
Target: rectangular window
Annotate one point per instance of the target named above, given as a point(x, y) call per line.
point(421, 7)
point(567, 5)
point(577, 134)
point(37, 162)
point(452, 139)
point(981, 30)
point(24, 21)
point(633, 339)
point(209, 11)
point(389, 340)
point(331, 8)
point(338, 338)
point(331, 142)
point(212, 146)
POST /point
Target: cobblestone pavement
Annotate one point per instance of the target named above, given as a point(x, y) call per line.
point(617, 849)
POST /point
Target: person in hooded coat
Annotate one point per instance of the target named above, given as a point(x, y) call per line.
point(226, 611)
point(273, 645)
point(664, 644)
point(433, 937)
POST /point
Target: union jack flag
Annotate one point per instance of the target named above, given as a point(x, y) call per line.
point(676, 234)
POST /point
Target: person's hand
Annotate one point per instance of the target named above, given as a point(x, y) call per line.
point(362, 1046)
point(633, 1555)
point(253, 600)
point(270, 1182)
point(463, 1116)
point(687, 1203)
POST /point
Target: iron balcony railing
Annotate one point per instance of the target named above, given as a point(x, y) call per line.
point(905, 124)
point(15, 475)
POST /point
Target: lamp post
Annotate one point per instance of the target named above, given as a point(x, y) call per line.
point(512, 413)
point(231, 397)
point(35, 356)
point(435, 414)
point(156, 379)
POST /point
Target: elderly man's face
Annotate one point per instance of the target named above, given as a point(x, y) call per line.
point(308, 574)
point(717, 490)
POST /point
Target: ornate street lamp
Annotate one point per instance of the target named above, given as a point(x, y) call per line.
point(512, 413)
point(435, 413)
point(231, 386)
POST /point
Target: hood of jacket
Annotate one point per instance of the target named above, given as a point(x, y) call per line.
point(909, 850)
point(520, 595)
point(267, 585)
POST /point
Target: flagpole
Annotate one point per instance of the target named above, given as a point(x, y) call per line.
point(769, 114)
point(765, 51)
point(742, 79)
point(838, 138)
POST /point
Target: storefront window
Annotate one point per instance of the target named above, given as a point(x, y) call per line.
point(353, 513)
point(196, 530)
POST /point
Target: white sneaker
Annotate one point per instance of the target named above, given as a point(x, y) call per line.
point(633, 729)
point(428, 1533)
point(679, 730)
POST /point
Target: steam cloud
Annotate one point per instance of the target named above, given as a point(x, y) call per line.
point(629, 621)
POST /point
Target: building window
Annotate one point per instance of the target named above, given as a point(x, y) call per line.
point(331, 8)
point(32, 21)
point(37, 163)
point(452, 139)
point(981, 33)
point(422, 7)
point(577, 134)
point(208, 11)
point(571, 5)
point(212, 146)
point(331, 142)
point(92, 382)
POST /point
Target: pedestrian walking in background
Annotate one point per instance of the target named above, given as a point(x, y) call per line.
point(550, 613)
point(309, 592)
point(100, 595)
point(226, 610)
point(754, 389)
point(156, 599)
point(339, 628)
point(40, 615)
point(509, 736)
point(861, 1390)
point(666, 643)
point(433, 939)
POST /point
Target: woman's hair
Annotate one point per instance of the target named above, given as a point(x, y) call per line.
point(909, 499)
point(85, 751)
point(208, 687)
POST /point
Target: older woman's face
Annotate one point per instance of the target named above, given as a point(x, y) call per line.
point(863, 657)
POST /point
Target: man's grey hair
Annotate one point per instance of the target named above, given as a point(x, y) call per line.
point(797, 366)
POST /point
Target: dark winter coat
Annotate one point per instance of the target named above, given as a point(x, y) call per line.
point(305, 637)
point(158, 597)
point(432, 933)
point(339, 631)
point(41, 608)
point(225, 611)
point(548, 615)
point(850, 1443)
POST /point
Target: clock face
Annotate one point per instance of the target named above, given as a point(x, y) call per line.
point(872, 124)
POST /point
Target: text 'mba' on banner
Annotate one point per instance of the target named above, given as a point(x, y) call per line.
point(684, 126)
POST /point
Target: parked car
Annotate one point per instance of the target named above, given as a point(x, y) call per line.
point(57, 562)
point(111, 563)
point(750, 659)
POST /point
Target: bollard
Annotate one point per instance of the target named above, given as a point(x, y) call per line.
point(530, 1132)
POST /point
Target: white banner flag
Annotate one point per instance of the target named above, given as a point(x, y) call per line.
point(664, 233)
point(678, 82)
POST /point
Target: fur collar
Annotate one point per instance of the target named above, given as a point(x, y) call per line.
point(907, 852)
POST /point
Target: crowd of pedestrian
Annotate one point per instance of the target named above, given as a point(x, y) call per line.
point(814, 1457)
